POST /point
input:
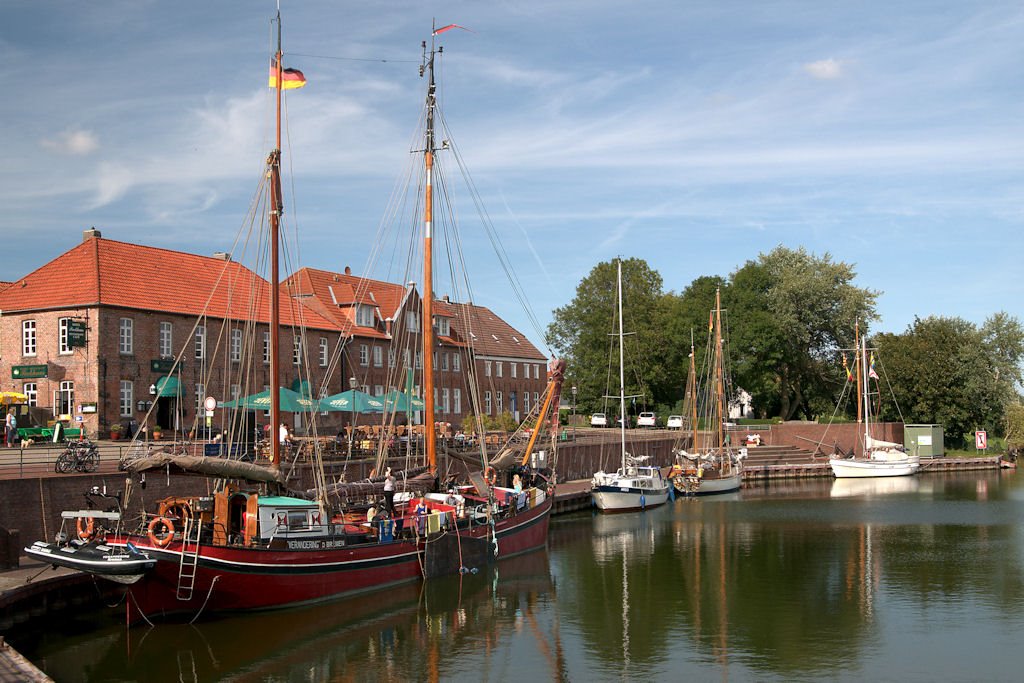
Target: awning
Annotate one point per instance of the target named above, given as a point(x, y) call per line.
point(301, 387)
point(168, 386)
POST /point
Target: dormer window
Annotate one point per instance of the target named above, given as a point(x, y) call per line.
point(444, 327)
point(365, 316)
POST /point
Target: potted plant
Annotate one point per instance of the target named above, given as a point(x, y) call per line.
point(115, 431)
point(157, 432)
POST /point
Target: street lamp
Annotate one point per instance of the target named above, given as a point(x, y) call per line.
point(352, 384)
point(573, 412)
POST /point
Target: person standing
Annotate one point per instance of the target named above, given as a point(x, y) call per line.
point(389, 491)
point(12, 428)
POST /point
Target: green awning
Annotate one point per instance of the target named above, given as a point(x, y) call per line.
point(301, 387)
point(168, 386)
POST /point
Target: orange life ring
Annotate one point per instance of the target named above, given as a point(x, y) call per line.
point(86, 527)
point(165, 540)
point(490, 476)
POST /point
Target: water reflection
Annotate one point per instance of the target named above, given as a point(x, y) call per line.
point(797, 581)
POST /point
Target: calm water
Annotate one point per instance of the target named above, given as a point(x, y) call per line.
point(911, 579)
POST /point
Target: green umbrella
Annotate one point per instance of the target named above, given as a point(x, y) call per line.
point(352, 401)
point(399, 401)
point(291, 402)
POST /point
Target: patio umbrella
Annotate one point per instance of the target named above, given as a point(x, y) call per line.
point(352, 401)
point(8, 397)
point(399, 401)
point(291, 402)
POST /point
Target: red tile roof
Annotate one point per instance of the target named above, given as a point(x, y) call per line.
point(104, 272)
point(490, 335)
point(334, 296)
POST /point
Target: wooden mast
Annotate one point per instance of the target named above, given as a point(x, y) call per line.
point(720, 380)
point(276, 209)
point(691, 392)
point(427, 323)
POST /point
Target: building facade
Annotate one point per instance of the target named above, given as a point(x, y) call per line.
point(116, 333)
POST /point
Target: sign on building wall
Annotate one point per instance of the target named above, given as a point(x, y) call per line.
point(76, 333)
point(161, 365)
point(28, 371)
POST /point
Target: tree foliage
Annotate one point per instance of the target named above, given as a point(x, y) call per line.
point(947, 371)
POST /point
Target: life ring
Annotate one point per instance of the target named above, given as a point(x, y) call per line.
point(490, 476)
point(164, 540)
point(86, 527)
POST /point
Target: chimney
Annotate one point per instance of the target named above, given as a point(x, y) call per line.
point(90, 233)
point(222, 256)
point(348, 270)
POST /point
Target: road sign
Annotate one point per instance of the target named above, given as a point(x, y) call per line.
point(210, 403)
point(981, 440)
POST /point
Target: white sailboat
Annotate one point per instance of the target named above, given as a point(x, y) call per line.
point(714, 467)
point(882, 458)
point(636, 485)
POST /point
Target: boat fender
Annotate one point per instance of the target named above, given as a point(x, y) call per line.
point(86, 527)
point(490, 476)
point(161, 540)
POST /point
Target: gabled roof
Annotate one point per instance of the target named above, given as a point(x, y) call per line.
point(489, 335)
point(335, 295)
point(104, 272)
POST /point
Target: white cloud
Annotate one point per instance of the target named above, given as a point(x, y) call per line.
point(825, 69)
point(73, 141)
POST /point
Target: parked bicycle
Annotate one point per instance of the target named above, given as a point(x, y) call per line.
point(81, 456)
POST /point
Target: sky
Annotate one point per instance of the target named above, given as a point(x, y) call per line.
point(695, 135)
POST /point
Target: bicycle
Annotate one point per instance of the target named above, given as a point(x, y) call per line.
point(82, 456)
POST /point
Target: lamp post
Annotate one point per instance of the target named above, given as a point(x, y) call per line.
point(352, 384)
point(573, 412)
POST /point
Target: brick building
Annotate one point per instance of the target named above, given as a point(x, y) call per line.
point(111, 332)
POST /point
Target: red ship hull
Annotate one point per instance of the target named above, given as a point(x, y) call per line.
point(234, 578)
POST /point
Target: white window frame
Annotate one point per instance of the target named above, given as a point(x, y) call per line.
point(487, 368)
point(514, 368)
point(201, 397)
point(266, 347)
point(297, 349)
point(444, 327)
point(365, 316)
point(412, 321)
point(64, 397)
point(63, 347)
point(456, 362)
point(457, 401)
point(364, 355)
point(200, 342)
point(236, 351)
point(166, 339)
point(126, 337)
point(444, 400)
point(29, 345)
point(487, 402)
point(126, 396)
point(323, 352)
point(31, 391)
point(378, 357)
point(500, 403)
point(499, 368)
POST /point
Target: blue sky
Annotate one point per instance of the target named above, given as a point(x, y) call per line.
point(694, 135)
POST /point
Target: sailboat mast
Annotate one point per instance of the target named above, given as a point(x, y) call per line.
point(622, 374)
point(856, 345)
point(276, 209)
point(719, 372)
point(866, 399)
point(691, 393)
point(427, 324)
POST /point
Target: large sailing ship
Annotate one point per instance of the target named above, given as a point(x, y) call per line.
point(251, 541)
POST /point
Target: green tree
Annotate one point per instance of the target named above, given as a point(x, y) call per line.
point(585, 332)
point(794, 312)
point(947, 371)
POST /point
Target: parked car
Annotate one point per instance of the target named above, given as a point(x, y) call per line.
point(647, 420)
point(674, 422)
point(598, 420)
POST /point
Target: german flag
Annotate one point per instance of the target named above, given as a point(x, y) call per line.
point(290, 78)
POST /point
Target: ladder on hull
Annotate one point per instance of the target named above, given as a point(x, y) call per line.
point(189, 558)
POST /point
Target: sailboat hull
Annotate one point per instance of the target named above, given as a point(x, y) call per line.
point(707, 486)
point(234, 578)
point(874, 468)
